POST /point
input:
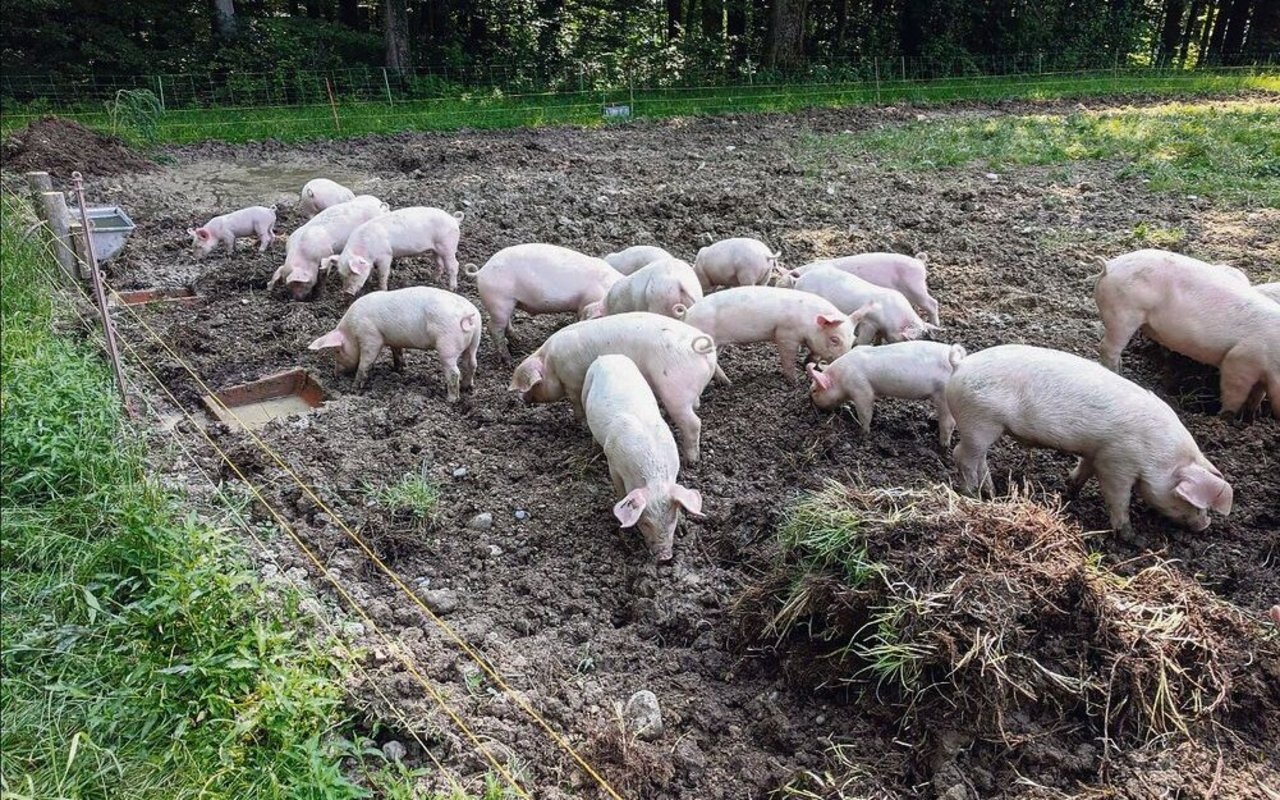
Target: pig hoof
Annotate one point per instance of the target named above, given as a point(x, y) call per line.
point(1126, 533)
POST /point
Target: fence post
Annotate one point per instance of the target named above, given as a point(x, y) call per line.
point(160, 84)
point(876, 65)
point(38, 183)
point(99, 293)
point(332, 104)
point(53, 207)
point(387, 84)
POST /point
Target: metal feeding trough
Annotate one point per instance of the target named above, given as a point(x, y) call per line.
point(109, 226)
point(254, 404)
point(178, 295)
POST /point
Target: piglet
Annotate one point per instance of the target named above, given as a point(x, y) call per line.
point(891, 270)
point(252, 221)
point(644, 464)
point(677, 361)
point(633, 258)
point(1270, 290)
point(890, 318)
point(667, 286)
point(322, 193)
point(907, 370)
point(323, 235)
point(404, 232)
point(1208, 313)
point(1122, 433)
point(735, 262)
point(540, 279)
point(785, 317)
point(418, 318)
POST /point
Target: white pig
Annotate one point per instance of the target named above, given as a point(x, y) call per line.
point(735, 262)
point(785, 317)
point(668, 286)
point(404, 232)
point(539, 279)
point(252, 221)
point(1271, 290)
point(633, 258)
point(321, 193)
point(1205, 312)
point(417, 318)
point(908, 275)
point(891, 316)
point(323, 235)
point(643, 461)
point(907, 370)
point(676, 359)
point(1122, 433)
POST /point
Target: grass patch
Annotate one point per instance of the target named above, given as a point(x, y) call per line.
point(414, 495)
point(1225, 150)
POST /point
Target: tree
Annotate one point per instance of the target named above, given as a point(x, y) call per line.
point(786, 33)
point(1170, 30)
point(225, 17)
point(395, 31)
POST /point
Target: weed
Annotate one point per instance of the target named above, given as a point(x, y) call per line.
point(415, 495)
point(1149, 235)
point(135, 115)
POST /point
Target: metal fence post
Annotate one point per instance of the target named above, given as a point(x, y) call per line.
point(876, 65)
point(160, 85)
point(387, 83)
point(108, 330)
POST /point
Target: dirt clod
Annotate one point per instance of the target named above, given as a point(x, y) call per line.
point(61, 146)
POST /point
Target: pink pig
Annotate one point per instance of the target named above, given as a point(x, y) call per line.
point(735, 262)
point(676, 359)
point(252, 221)
point(404, 232)
point(643, 461)
point(785, 317)
point(908, 370)
point(890, 317)
point(417, 318)
point(320, 237)
point(667, 286)
point(539, 279)
point(1270, 290)
point(892, 270)
point(1205, 312)
point(322, 193)
point(1122, 433)
point(633, 258)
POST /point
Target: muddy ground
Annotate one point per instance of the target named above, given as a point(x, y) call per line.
point(573, 611)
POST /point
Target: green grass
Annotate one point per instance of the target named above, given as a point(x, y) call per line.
point(414, 494)
point(1229, 150)
point(141, 658)
point(497, 110)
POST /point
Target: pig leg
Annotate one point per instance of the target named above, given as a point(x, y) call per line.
point(1273, 392)
point(469, 363)
point(720, 377)
point(946, 422)
point(788, 352)
point(690, 428)
point(448, 256)
point(971, 456)
point(1120, 328)
point(265, 237)
point(452, 375)
point(1237, 382)
point(1079, 476)
point(929, 305)
point(230, 241)
point(367, 356)
point(397, 359)
point(864, 405)
point(384, 271)
point(1117, 491)
point(500, 313)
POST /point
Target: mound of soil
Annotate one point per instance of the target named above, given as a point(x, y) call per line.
point(60, 147)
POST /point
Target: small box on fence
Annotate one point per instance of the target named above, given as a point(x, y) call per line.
point(617, 112)
point(108, 225)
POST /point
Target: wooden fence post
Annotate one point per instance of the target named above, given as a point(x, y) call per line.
point(53, 208)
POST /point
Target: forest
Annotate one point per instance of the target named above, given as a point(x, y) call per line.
point(76, 39)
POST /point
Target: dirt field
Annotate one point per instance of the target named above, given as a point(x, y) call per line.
point(572, 611)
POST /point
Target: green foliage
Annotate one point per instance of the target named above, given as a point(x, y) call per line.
point(414, 494)
point(135, 114)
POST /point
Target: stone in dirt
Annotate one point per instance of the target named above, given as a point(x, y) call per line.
point(394, 751)
point(60, 147)
point(643, 715)
point(481, 522)
point(441, 601)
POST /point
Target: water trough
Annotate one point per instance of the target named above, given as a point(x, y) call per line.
point(254, 404)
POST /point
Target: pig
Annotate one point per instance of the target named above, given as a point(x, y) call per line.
point(891, 270)
point(1207, 313)
point(419, 318)
point(1121, 432)
point(785, 317)
point(735, 262)
point(409, 231)
point(668, 286)
point(1274, 613)
point(633, 258)
point(320, 237)
point(891, 317)
point(677, 360)
point(252, 221)
point(540, 279)
point(908, 370)
point(322, 193)
point(1271, 290)
point(623, 416)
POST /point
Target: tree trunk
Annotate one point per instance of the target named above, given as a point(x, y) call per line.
point(1220, 30)
point(313, 9)
point(1189, 30)
point(1202, 56)
point(349, 13)
point(1264, 29)
point(1169, 31)
point(712, 18)
point(736, 26)
point(395, 33)
point(1233, 39)
point(226, 17)
point(786, 33)
point(842, 25)
point(674, 21)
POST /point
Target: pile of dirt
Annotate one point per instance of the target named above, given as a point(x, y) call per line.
point(990, 626)
point(61, 146)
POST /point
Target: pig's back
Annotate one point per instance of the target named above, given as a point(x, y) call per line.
point(880, 268)
point(658, 345)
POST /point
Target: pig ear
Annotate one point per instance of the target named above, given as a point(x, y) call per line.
point(328, 262)
point(527, 375)
point(202, 233)
point(629, 508)
point(1202, 489)
point(691, 499)
point(333, 338)
point(863, 310)
point(830, 320)
point(820, 379)
point(359, 266)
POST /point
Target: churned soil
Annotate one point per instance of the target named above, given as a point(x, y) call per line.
point(61, 146)
point(573, 612)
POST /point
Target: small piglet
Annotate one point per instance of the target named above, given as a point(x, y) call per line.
point(905, 274)
point(907, 370)
point(1271, 290)
point(667, 286)
point(323, 235)
point(540, 279)
point(785, 317)
point(735, 262)
point(417, 318)
point(1121, 432)
point(633, 258)
point(1206, 312)
point(252, 221)
point(404, 232)
point(322, 193)
point(890, 318)
point(643, 460)
point(676, 359)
